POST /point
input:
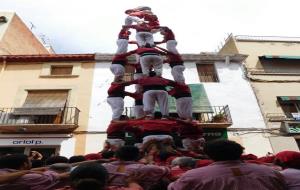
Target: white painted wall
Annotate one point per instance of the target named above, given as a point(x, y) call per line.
point(235, 90)
point(100, 112)
point(67, 148)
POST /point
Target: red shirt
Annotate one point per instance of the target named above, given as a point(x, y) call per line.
point(151, 18)
point(169, 35)
point(153, 83)
point(155, 80)
point(174, 59)
point(116, 90)
point(117, 128)
point(124, 34)
point(143, 51)
point(155, 125)
point(140, 27)
point(180, 90)
point(187, 130)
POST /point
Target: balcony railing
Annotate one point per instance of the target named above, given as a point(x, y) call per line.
point(213, 116)
point(278, 117)
point(268, 71)
point(38, 119)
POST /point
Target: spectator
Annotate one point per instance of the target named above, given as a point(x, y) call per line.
point(56, 159)
point(93, 176)
point(127, 165)
point(229, 172)
point(290, 162)
point(37, 163)
point(74, 159)
point(34, 181)
point(35, 155)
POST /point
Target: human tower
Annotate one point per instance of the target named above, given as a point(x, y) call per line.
point(150, 86)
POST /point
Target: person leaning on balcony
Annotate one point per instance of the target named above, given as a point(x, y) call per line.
point(182, 93)
point(290, 162)
point(115, 99)
point(229, 172)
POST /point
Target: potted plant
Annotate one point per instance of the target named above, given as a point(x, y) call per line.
point(219, 118)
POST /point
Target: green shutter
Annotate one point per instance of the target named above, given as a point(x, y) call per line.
point(200, 101)
point(288, 98)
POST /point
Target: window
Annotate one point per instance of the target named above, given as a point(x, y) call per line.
point(207, 73)
point(129, 71)
point(290, 107)
point(61, 69)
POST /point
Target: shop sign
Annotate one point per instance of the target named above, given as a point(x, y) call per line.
point(30, 141)
point(214, 133)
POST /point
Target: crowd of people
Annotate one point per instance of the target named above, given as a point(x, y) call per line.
point(158, 166)
point(167, 153)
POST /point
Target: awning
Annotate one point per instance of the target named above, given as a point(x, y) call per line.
point(201, 103)
point(288, 98)
point(279, 57)
point(43, 102)
point(37, 111)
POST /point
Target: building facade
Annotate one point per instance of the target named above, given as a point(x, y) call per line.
point(274, 73)
point(44, 104)
point(219, 88)
point(16, 38)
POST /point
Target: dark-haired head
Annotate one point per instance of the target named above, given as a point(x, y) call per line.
point(127, 153)
point(74, 159)
point(90, 176)
point(223, 150)
point(56, 159)
point(152, 73)
point(15, 161)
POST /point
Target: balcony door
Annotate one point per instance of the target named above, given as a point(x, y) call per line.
point(43, 106)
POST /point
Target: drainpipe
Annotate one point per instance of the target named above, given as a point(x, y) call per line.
point(4, 65)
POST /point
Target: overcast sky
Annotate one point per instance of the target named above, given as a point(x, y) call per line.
point(89, 26)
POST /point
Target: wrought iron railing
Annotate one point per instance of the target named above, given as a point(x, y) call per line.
point(272, 71)
point(281, 117)
point(209, 114)
point(39, 115)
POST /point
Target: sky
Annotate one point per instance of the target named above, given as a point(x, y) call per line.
point(90, 26)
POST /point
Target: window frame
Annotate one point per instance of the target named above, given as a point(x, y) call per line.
point(211, 77)
point(53, 67)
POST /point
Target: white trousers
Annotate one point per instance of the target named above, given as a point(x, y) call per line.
point(138, 111)
point(177, 73)
point(171, 46)
point(117, 69)
point(184, 107)
point(122, 46)
point(117, 106)
point(142, 38)
point(159, 96)
point(138, 88)
point(151, 60)
point(130, 19)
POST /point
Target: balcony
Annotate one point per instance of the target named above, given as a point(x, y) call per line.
point(279, 117)
point(278, 71)
point(213, 117)
point(39, 120)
